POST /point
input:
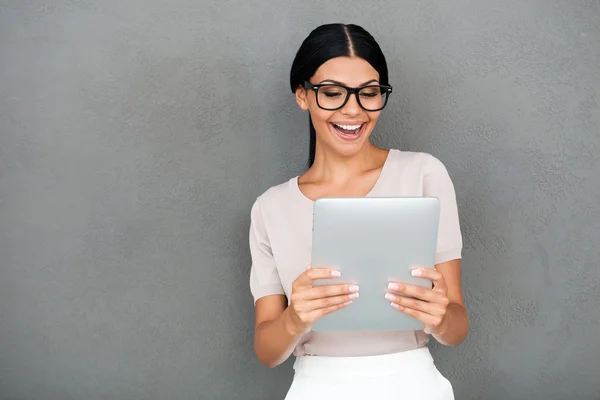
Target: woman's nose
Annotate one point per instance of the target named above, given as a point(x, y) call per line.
point(351, 107)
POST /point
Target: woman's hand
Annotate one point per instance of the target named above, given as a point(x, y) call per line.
point(427, 305)
point(309, 303)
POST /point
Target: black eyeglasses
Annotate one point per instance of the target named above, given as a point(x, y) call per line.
point(332, 96)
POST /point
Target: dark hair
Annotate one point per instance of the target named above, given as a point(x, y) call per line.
point(327, 42)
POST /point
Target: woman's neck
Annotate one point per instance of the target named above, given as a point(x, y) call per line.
point(334, 168)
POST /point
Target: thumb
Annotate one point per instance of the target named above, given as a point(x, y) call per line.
point(308, 266)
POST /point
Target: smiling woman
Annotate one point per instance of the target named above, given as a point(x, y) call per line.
point(336, 61)
point(340, 77)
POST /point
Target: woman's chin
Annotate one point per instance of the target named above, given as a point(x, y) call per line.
point(348, 149)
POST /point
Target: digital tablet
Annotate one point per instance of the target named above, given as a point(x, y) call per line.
point(373, 241)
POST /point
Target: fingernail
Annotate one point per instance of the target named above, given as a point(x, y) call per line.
point(393, 286)
point(417, 272)
point(389, 297)
point(353, 296)
point(395, 305)
point(336, 274)
point(353, 288)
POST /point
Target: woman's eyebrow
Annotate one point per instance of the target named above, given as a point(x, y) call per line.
point(343, 84)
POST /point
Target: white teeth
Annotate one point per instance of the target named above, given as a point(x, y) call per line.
point(349, 127)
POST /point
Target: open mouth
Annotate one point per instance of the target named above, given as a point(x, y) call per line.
point(348, 131)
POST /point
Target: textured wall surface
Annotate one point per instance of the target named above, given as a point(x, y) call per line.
point(135, 135)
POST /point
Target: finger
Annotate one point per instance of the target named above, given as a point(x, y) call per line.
point(331, 301)
point(415, 304)
point(427, 319)
point(322, 273)
point(311, 274)
point(309, 306)
point(415, 291)
point(427, 273)
point(329, 291)
point(328, 310)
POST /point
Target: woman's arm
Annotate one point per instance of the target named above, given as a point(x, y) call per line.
point(275, 336)
point(455, 326)
point(279, 327)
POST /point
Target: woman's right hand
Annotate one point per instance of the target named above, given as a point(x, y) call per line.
point(309, 303)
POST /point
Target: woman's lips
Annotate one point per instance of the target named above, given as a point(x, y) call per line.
point(344, 133)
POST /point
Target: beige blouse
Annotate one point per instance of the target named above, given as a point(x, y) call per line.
point(281, 236)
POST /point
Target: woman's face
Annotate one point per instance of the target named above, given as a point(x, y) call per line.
point(347, 130)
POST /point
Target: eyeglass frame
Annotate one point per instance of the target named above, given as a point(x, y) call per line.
point(349, 92)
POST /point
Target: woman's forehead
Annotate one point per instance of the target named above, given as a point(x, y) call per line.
point(351, 71)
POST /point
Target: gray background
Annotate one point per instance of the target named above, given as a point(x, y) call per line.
point(135, 136)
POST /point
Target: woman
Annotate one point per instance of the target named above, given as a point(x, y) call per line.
point(340, 77)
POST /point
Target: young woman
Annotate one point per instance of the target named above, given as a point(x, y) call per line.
point(340, 77)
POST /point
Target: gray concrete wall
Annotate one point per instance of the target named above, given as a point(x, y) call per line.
point(135, 135)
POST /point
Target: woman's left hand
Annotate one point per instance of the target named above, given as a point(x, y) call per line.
point(427, 305)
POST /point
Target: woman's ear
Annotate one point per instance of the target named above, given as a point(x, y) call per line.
point(301, 98)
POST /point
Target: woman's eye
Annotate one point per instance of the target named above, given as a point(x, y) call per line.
point(370, 92)
point(332, 94)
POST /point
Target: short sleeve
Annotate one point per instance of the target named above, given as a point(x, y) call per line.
point(264, 278)
point(437, 183)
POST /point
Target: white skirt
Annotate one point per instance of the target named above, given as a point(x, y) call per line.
point(407, 375)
